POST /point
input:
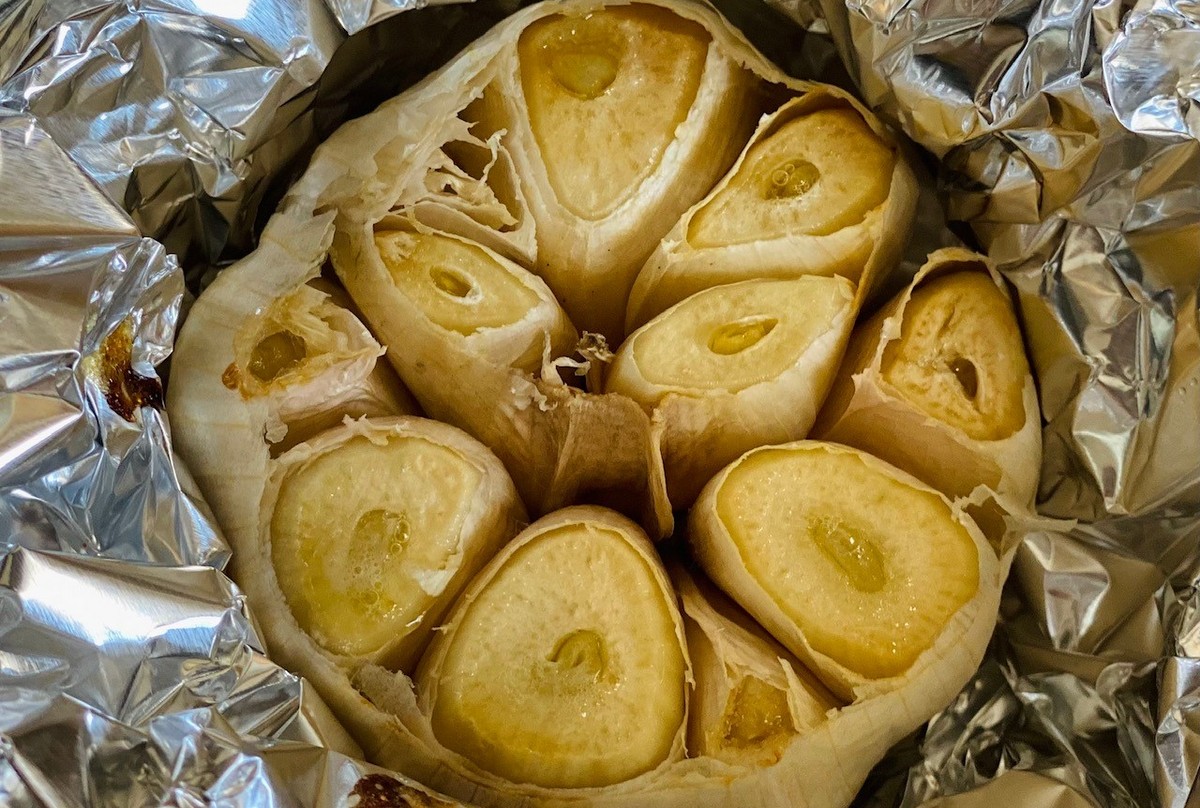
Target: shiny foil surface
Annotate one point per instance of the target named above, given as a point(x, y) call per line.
point(136, 137)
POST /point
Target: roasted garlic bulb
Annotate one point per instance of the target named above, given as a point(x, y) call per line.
point(616, 257)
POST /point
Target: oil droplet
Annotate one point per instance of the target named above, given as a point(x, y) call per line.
point(451, 282)
point(790, 179)
point(853, 553)
point(737, 336)
point(755, 712)
point(584, 73)
point(381, 529)
point(581, 651)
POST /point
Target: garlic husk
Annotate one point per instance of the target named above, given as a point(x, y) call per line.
point(485, 514)
point(558, 443)
point(469, 186)
point(865, 410)
point(590, 258)
point(735, 662)
point(856, 675)
point(703, 424)
point(224, 421)
point(860, 251)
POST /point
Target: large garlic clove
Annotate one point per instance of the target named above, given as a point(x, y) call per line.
point(821, 190)
point(937, 383)
point(561, 445)
point(854, 566)
point(373, 528)
point(563, 665)
point(605, 93)
point(618, 119)
point(735, 367)
point(813, 176)
point(752, 697)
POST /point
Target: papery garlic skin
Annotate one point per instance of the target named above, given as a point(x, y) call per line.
point(734, 367)
point(960, 408)
point(846, 231)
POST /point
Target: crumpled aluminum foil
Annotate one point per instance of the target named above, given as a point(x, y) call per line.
point(1064, 135)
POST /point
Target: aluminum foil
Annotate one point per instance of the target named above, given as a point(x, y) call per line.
point(1062, 135)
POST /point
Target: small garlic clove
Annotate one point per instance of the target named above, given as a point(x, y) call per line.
point(735, 367)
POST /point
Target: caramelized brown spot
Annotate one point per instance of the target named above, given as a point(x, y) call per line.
point(125, 390)
point(232, 377)
point(381, 791)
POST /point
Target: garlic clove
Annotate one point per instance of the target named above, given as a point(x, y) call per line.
point(735, 367)
point(373, 527)
point(937, 383)
point(563, 666)
point(853, 565)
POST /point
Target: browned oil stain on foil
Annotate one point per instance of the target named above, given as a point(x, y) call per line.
point(125, 390)
point(381, 791)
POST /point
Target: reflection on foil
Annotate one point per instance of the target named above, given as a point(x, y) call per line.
point(118, 665)
point(177, 110)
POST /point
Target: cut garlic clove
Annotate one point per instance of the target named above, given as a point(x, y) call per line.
point(506, 314)
point(813, 176)
point(943, 367)
point(605, 93)
point(960, 357)
point(820, 190)
point(311, 359)
point(563, 665)
point(618, 119)
point(735, 367)
point(853, 565)
point(752, 697)
point(374, 526)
